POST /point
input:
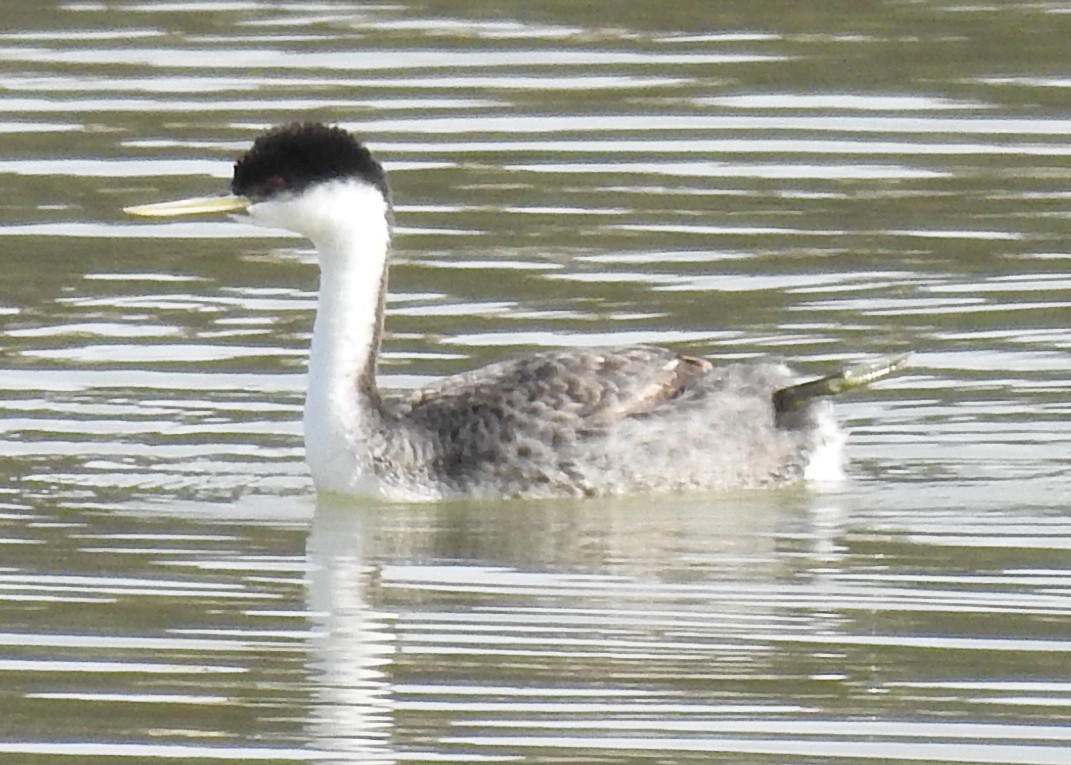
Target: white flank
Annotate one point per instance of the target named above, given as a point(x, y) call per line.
point(826, 464)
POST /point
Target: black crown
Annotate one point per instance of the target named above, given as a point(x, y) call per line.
point(290, 158)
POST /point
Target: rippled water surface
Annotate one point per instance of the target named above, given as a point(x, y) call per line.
point(820, 182)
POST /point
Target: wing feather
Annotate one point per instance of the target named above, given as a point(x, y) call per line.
point(587, 388)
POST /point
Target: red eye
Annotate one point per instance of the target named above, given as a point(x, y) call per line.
point(275, 182)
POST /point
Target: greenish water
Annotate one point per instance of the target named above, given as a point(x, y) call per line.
point(815, 181)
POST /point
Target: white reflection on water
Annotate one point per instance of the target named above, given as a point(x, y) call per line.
point(372, 60)
point(768, 144)
point(798, 170)
point(670, 123)
point(172, 752)
point(775, 744)
point(105, 668)
point(388, 601)
point(352, 646)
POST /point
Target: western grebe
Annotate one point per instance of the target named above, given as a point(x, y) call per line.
point(561, 423)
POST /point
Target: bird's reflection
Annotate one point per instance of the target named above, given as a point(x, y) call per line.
point(352, 715)
point(502, 574)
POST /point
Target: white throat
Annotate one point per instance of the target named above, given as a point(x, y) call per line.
point(348, 222)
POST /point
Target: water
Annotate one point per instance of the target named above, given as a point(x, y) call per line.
point(816, 182)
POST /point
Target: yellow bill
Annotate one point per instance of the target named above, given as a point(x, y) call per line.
point(196, 206)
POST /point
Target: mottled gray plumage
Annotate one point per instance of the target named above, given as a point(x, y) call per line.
point(597, 421)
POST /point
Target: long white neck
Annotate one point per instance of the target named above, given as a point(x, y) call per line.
point(348, 222)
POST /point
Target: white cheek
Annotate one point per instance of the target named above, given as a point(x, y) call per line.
point(270, 214)
point(324, 211)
